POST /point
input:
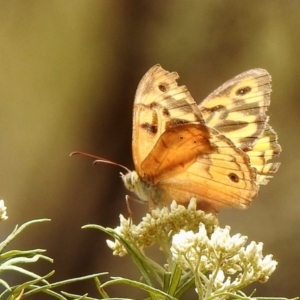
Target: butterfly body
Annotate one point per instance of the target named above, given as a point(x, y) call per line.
point(216, 152)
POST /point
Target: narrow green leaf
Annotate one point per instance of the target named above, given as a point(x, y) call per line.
point(135, 254)
point(14, 253)
point(151, 290)
point(167, 281)
point(17, 230)
point(63, 282)
point(175, 279)
point(188, 284)
point(100, 289)
point(22, 259)
point(5, 284)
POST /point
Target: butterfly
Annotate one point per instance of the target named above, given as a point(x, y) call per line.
point(216, 152)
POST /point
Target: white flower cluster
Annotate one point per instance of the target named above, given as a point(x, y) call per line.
point(220, 261)
point(160, 225)
point(193, 241)
point(3, 215)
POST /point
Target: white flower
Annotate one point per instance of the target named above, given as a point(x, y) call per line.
point(193, 242)
point(3, 215)
point(161, 224)
point(117, 247)
point(222, 242)
point(256, 267)
point(219, 256)
point(189, 249)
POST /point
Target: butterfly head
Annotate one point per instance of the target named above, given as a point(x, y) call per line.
point(130, 180)
point(133, 183)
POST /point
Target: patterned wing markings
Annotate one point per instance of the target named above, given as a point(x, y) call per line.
point(219, 180)
point(265, 148)
point(242, 118)
point(160, 104)
point(217, 151)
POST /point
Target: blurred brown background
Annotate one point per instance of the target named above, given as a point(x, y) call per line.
point(68, 74)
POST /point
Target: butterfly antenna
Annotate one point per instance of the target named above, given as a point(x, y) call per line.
point(99, 159)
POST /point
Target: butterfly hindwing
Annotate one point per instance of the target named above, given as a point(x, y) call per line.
point(237, 110)
point(218, 179)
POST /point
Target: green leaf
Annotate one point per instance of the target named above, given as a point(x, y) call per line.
point(145, 265)
point(13, 253)
point(63, 282)
point(17, 230)
point(151, 290)
point(188, 284)
point(175, 279)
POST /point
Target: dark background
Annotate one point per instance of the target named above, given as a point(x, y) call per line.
point(68, 74)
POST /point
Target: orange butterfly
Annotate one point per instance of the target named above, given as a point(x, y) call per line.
point(216, 152)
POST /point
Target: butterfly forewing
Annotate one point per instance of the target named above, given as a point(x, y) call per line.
point(160, 104)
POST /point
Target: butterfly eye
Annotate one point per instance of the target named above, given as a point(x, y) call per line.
point(242, 91)
point(233, 177)
point(163, 87)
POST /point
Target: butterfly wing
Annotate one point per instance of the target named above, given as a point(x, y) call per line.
point(160, 104)
point(177, 156)
point(221, 178)
point(237, 110)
